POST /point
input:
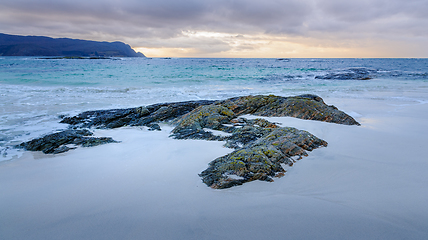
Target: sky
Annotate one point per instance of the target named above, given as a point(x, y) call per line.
point(232, 28)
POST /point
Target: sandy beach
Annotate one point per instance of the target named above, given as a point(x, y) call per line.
point(369, 183)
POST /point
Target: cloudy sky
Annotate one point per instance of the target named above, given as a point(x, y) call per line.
point(232, 28)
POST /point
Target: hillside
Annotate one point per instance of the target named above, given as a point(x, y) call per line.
point(14, 45)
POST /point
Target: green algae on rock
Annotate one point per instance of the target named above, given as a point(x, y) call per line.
point(260, 159)
point(259, 155)
point(260, 146)
point(308, 106)
point(192, 124)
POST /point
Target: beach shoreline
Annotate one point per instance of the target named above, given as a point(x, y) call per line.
point(367, 184)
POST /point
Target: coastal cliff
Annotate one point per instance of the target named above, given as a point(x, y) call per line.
point(14, 45)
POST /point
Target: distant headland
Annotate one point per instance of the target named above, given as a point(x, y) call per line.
point(15, 45)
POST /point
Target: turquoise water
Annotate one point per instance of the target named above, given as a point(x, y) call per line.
point(35, 92)
point(139, 72)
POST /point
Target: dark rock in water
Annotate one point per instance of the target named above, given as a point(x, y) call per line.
point(57, 142)
point(350, 74)
point(106, 118)
point(139, 116)
point(260, 159)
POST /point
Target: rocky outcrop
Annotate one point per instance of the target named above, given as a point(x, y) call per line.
point(60, 142)
point(261, 148)
point(308, 106)
point(139, 116)
point(261, 156)
point(212, 113)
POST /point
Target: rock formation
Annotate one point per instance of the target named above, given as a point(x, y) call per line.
point(139, 116)
point(260, 157)
point(262, 148)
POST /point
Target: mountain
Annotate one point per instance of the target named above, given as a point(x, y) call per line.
point(14, 45)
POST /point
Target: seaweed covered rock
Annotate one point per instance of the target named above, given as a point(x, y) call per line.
point(216, 115)
point(260, 159)
point(57, 142)
point(260, 146)
point(309, 107)
point(248, 131)
point(192, 124)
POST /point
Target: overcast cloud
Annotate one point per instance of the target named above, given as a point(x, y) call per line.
point(204, 28)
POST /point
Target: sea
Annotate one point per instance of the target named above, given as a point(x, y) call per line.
point(36, 92)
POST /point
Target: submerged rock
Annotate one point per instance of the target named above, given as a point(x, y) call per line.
point(57, 142)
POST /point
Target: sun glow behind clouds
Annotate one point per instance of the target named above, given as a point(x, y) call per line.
point(218, 44)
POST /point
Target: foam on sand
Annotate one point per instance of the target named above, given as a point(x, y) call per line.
point(369, 183)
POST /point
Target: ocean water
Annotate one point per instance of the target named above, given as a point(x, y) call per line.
point(35, 92)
